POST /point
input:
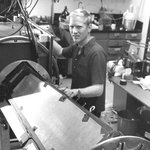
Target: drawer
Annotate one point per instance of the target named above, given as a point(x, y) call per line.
point(116, 35)
point(147, 55)
point(114, 50)
point(100, 36)
point(133, 36)
point(116, 42)
point(103, 43)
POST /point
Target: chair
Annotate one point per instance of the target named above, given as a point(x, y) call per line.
point(123, 143)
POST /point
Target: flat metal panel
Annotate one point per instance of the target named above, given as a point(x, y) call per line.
point(58, 124)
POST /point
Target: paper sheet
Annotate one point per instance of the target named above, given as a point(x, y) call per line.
point(13, 121)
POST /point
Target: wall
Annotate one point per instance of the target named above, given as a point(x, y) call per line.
point(113, 6)
point(43, 8)
point(144, 16)
point(92, 6)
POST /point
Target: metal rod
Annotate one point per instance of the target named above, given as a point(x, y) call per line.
point(50, 56)
point(39, 28)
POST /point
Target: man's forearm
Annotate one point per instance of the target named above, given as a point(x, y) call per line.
point(91, 91)
point(57, 49)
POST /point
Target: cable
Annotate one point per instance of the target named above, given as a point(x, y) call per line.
point(16, 31)
point(31, 1)
point(33, 6)
point(12, 9)
point(12, 13)
point(3, 11)
point(7, 19)
point(25, 15)
point(11, 5)
point(7, 12)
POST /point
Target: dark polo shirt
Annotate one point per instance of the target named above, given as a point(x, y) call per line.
point(88, 68)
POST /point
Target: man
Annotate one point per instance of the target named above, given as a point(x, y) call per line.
point(88, 63)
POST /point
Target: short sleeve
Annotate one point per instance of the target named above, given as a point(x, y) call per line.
point(68, 51)
point(98, 67)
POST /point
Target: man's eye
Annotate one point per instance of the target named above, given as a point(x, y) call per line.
point(76, 27)
point(79, 27)
point(71, 27)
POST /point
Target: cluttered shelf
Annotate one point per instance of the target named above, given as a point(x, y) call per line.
point(118, 29)
point(131, 79)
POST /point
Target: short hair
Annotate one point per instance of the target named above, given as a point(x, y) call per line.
point(82, 13)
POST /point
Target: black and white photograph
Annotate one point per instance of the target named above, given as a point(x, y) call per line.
point(74, 75)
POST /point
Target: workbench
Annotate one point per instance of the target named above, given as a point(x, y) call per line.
point(124, 94)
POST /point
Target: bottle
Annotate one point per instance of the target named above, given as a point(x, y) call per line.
point(64, 14)
point(129, 19)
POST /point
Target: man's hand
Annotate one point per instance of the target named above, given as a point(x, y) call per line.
point(70, 92)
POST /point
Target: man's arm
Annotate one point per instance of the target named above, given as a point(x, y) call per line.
point(90, 91)
point(57, 49)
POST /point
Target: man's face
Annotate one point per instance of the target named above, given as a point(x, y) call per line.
point(79, 30)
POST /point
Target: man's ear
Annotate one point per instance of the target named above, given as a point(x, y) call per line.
point(90, 27)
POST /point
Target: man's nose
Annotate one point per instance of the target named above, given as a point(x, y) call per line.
point(74, 30)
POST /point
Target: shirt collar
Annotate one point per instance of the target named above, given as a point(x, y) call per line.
point(87, 46)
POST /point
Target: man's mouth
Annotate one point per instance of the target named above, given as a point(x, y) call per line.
point(75, 37)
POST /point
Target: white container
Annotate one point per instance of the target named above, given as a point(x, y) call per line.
point(129, 24)
point(129, 19)
point(113, 26)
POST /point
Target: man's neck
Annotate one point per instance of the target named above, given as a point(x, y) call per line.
point(85, 41)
